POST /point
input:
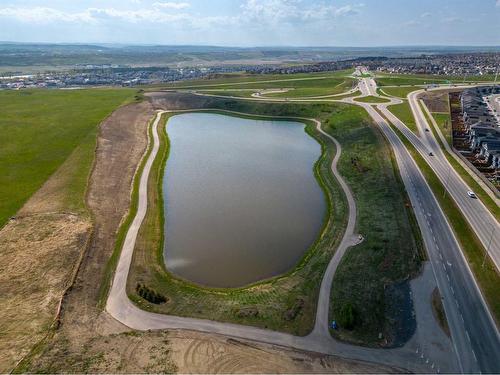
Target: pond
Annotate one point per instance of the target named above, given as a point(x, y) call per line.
point(241, 201)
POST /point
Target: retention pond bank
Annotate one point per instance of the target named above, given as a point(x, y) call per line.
point(241, 201)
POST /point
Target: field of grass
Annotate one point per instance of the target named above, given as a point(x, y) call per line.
point(245, 79)
point(443, 120)
point(403, 112)
point(392, 249)
point(400, 92)
point(487, 276)
point(298, 88)
point(372, 99)
point(39, 130)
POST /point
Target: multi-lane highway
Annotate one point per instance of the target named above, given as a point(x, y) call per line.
point(474, 334)
point(479, 217)
point(477, 214)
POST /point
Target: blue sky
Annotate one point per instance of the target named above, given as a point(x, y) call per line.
point(253, 22)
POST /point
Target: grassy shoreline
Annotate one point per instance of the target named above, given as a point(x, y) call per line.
point(271, 298)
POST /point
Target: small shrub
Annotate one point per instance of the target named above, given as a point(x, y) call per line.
point(347, 316)
point(150, 295)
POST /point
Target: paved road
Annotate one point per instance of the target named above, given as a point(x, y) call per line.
point(475, 336)
point(478, 216)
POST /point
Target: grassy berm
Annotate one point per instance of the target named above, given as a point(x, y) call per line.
point(391, 251)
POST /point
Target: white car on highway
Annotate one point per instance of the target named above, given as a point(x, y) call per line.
point(471, 194)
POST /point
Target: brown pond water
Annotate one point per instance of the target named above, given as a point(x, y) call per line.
point(241, 200)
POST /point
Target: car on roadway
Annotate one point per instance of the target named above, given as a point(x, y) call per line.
point(426, 130)
point(431, 154)
point(471, 194)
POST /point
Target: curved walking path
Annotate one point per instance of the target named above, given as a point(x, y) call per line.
point(319, 340)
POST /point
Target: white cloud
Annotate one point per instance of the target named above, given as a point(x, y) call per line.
point(44, 15)
point(171, 5)
point(274, 11)
point(498, 3)
point(427, 14)
point(256, 12)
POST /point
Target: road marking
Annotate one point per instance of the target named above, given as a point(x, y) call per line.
point(444, 267)
point(467, 334)
point(474, 354)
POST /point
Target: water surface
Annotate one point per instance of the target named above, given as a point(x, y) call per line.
point(241, 200)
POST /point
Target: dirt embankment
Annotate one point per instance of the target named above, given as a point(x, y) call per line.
point(436, 101)
point(41, 248)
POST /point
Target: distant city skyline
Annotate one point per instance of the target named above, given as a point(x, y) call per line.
point(254, 22)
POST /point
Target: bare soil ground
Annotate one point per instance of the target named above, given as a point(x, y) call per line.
point(436, 101)
point(38, 254)
point(198, 353)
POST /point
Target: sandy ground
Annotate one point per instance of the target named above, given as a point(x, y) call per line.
point(38, 254)
point(198, 353)
point(436, 101)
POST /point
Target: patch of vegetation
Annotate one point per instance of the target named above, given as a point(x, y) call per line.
point(392, 248)
point(149, 294)
point(443, 120)
point(486, 276)
point(372, 99)
point(403, 112)
point(257, 80)
point(39, 130)
point(438, 311)
point(400, 92)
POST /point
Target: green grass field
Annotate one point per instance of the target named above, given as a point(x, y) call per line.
point(400, 92)
point(403, 112)
point(392, 249)
point(443, 120)
point(39, 130)
point(372, 99)
point(239, 79)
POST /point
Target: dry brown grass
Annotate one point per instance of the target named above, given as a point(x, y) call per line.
point(38, 254)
